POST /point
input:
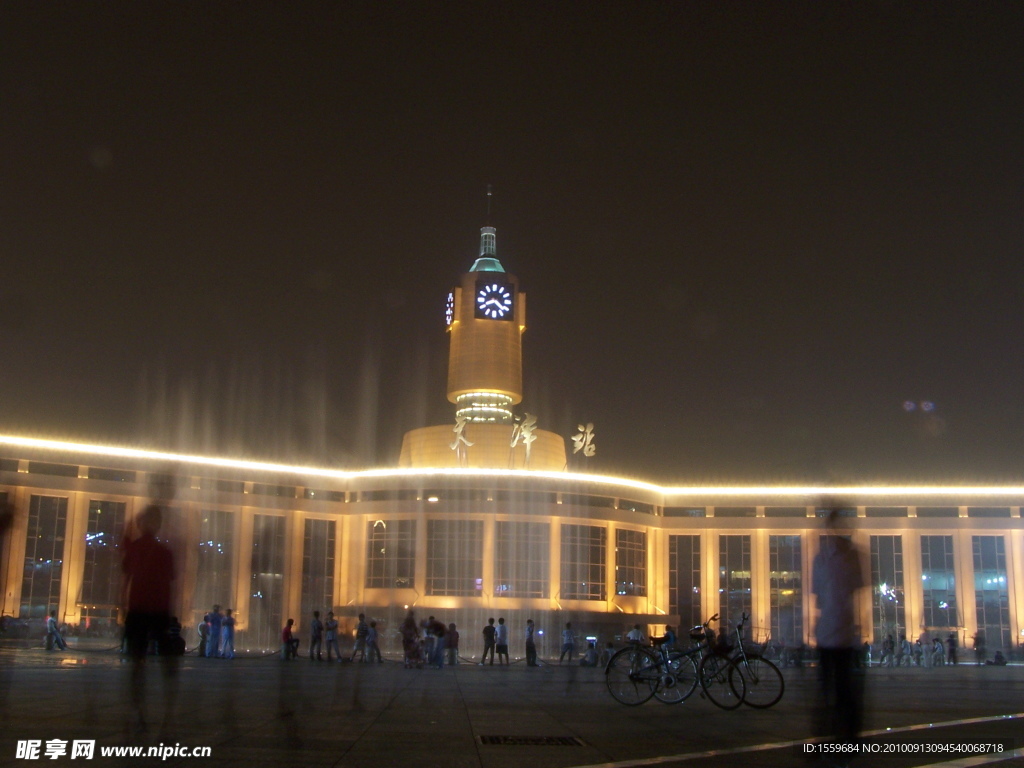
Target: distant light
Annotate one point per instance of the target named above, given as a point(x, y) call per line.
point(927, 406)
point(909, 405)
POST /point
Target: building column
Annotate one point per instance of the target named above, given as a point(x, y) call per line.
point(1015, 577)
point(555, 561)
point(865, 600)
point(913, 584)
point(188, 567)
point(351, 546)
point(243, 567)
point(487, 561)
point(421, 555)
point(610, 560)
point(294, 540)
point(709, 573)
point(73, 567)
point(963, 549)
point(810, 546)
point(760, 580)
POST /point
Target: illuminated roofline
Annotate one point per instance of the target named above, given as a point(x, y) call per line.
point(735, 491)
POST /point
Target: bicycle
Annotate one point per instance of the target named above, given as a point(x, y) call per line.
point(635, 673)
point(765, 683)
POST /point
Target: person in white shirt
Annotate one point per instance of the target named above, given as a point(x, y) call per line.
point(568, 643)
point(501, 641)
point(635, 635)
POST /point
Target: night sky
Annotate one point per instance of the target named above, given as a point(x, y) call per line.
point(759, 241)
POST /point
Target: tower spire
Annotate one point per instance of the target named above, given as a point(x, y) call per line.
point(488, 239)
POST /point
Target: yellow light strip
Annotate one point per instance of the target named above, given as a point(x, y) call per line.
point(734, 491)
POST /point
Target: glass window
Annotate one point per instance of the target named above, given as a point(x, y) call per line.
point(887, 587)
point(785, 512)
point(733, 580)
point(101, 577)
point(266, 594)
point(885, 512)
point(44, 556)
point(214, 569)
point(313, 493)
point(455, 557)
point(735, 512)
point(630, 562)
point(988, 512)
point(281, 491)
point(579, 500)
point(522, 559)
point(684, 580)
point(44, 468)
point(938, 582)
point(938, 512)
point(785, 580)
point(991, 597)
point(583, 562)
point(390, 554)
point(685, 512)
point(116, 475)
point(636, 506)
point(317, 568)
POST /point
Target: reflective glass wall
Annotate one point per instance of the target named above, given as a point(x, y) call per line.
point(317, 568)
point(938, 583)
point(630, 562)
point(583, 562)
point(390, 554)
point(215, 563)
point(455, 557)
point(887, 587)
point(266, 593)
point(522, 559)
point(991, 597)
point(684, 581)
point(785, 580)
point(100, 597)
point(44, 556)
point(733, 580)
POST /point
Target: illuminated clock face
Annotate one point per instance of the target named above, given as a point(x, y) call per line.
point(449, 309)
point(494, 301)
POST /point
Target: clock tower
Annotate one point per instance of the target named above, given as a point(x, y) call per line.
point(485, 316)
point(486, 319)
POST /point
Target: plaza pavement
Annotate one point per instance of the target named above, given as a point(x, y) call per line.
point(300, 714)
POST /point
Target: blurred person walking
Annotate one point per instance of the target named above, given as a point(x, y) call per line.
point(149, 571)
point(837, 576)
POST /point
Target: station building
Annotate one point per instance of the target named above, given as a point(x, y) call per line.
point(482, 518)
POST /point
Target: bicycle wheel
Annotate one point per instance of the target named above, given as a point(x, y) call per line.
point(765, 684)
point(678, 681)
point(632, 675)
point(722, 682)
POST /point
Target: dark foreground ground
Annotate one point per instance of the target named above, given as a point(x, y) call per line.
point(264, 712)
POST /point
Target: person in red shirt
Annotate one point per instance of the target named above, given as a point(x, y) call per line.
point(289, 644)
point(148, 568)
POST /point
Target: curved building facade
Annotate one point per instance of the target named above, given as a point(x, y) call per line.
point(275, 542)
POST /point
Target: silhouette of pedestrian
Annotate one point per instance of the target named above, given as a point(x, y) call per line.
point(837, 575)
point(149, 570)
